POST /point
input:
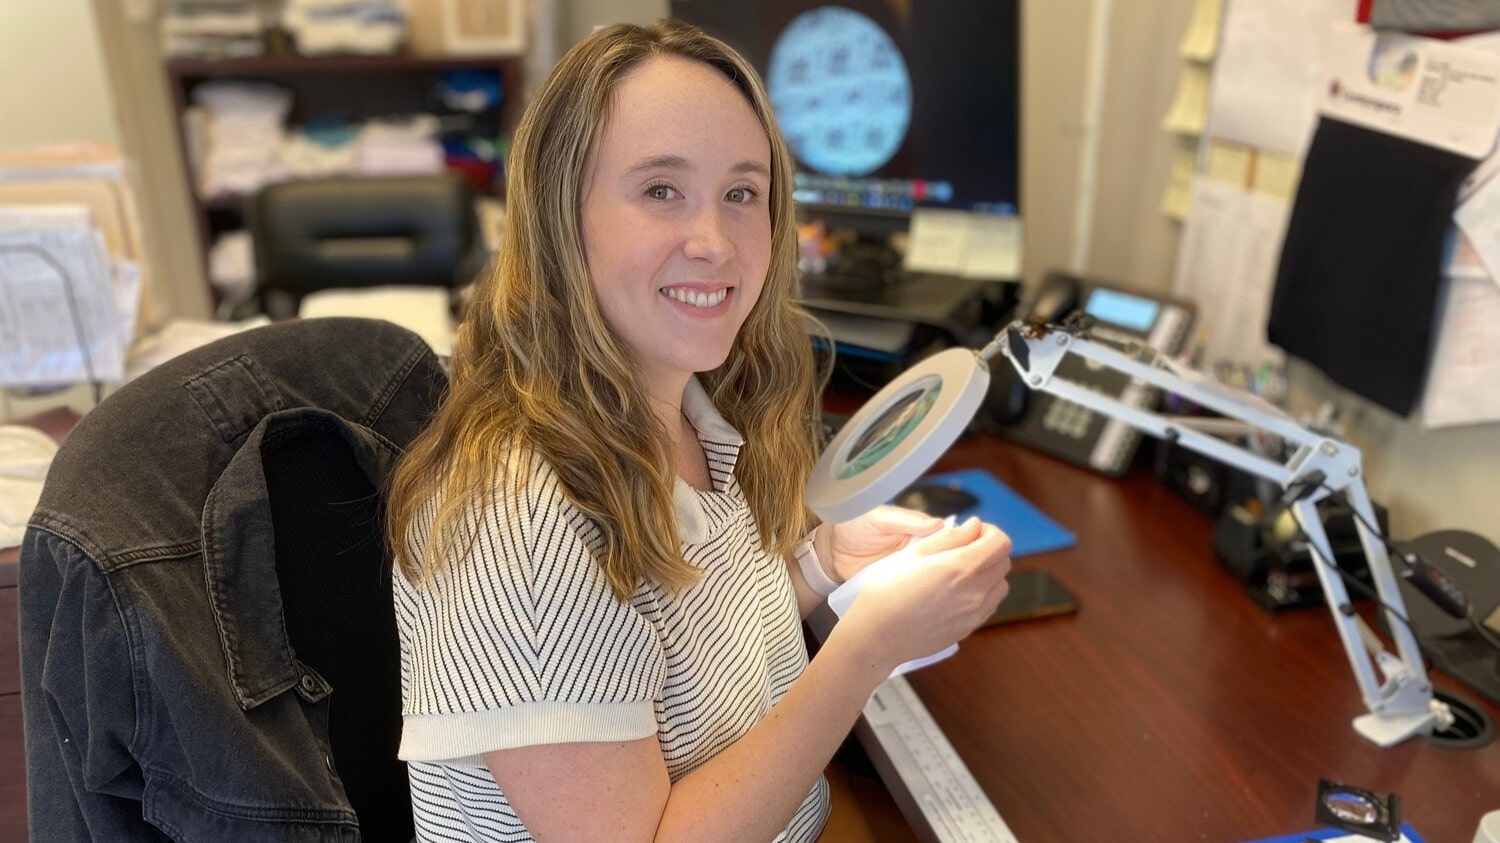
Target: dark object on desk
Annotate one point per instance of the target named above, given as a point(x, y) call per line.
point(1033, 594)
point(863, 268)
point(1363, 812)
point(1469, 654)
point(937, 499)
point(1267, 554)
point(240, 536)
point(320, 234)
point(942, 311)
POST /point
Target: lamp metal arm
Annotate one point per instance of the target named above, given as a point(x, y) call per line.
point(1317, 465)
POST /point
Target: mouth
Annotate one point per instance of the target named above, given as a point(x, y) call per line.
point(697, 298)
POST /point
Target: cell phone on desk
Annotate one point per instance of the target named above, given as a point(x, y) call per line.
point(1033, 594)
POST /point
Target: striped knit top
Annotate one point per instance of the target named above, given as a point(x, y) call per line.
point(524, 643)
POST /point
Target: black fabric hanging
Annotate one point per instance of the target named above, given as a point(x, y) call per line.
point(1426, 15)
point(1357, 285)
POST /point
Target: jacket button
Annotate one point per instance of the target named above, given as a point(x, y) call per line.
point(309, 684)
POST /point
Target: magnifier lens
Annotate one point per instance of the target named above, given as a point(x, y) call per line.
point(891, 427)
point(1352, 807)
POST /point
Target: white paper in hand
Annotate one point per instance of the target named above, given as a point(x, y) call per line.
point(843, 597)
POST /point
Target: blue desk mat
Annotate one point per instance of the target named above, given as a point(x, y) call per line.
point(1333, 833)
point(1030, 530)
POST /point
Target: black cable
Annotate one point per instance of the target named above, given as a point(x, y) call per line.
point(1394, 550)
point(1325, 555)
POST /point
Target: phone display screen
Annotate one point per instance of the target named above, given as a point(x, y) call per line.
point(1033, 594)
point(1130, 312)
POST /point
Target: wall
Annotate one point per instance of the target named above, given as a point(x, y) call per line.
point(1428, 479)
point(52, 86)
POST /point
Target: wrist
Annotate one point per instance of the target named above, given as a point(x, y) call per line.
point(810, 556)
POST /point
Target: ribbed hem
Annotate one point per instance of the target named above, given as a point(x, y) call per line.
point(465, 736)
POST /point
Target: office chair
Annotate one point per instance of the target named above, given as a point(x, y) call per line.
point(325, 233)
point(230, 503)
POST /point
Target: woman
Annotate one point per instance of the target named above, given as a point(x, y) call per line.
point(605, 553)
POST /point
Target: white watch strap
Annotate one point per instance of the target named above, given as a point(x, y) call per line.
point(812, 569)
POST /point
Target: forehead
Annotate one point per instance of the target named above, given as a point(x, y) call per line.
point(672, 104)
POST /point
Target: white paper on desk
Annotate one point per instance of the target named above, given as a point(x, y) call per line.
point(1466, 359)
point(938, 239)
point(1226, 264)
point(964, 243)
point(993, 249)
point(1266, 74)
point(425, 311)
point(177, 337)
point(57, 328)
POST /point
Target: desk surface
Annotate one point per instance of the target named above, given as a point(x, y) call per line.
point(1170, 707)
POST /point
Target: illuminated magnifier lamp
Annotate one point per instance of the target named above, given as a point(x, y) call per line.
point(900, 432)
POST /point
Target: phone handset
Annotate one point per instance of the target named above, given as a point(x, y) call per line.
point(1058, 295)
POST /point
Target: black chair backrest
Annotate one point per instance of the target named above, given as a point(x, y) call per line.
point(320, 234)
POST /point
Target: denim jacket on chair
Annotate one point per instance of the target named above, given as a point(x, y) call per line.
point(161, 697)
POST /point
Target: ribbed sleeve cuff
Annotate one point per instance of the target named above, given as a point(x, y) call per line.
point(467, 735)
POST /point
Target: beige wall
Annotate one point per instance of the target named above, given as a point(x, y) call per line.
point(52, 85)
point(1429, 479)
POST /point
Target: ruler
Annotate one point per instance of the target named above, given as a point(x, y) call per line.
point(941, 788)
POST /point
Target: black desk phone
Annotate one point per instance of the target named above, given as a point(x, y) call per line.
point(1071, 431)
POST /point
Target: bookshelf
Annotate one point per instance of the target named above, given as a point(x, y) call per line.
point(344, 88)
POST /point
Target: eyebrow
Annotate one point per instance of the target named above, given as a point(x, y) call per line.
point(677, 162)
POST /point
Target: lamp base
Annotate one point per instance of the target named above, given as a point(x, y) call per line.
point(1385, 730)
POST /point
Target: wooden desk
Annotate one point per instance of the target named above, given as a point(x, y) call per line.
point(1170, 707)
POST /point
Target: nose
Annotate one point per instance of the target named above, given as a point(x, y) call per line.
point(707, 238)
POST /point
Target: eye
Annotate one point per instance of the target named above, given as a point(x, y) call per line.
point(742, 195)
point(662, 192)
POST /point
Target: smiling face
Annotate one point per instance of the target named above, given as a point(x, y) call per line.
point(676, 218)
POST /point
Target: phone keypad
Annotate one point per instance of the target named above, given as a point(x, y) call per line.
point(1067, 418)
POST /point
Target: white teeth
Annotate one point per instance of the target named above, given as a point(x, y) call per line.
point(696, 299)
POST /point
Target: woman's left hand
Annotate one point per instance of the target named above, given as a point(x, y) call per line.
point(851, 545)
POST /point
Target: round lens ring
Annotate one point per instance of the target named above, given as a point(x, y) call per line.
point(1352, 807)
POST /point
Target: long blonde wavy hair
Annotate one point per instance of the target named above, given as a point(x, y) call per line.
point(536, 366)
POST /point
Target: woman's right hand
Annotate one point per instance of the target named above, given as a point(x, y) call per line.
point(950, 588)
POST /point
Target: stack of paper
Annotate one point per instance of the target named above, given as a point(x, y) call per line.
point(95, 177)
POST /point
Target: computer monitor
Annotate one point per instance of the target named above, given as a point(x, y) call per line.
point(888, 105)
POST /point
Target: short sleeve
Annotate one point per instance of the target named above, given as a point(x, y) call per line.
point(523, 642)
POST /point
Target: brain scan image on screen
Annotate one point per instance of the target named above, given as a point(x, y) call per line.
point(891, 427)
point(841, 90)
